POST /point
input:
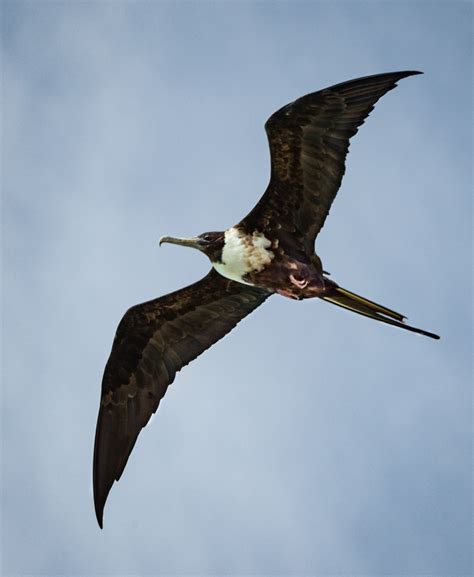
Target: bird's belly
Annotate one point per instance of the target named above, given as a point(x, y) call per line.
point(232, 271)
point(291, 278)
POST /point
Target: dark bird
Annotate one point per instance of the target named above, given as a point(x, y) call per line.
point(270, 251)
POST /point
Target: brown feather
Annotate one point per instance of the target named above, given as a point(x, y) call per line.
point(309, 140)
point(154, 341)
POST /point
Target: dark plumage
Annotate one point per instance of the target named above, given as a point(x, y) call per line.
point(270, 250)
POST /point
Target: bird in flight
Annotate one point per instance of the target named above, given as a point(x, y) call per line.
point(270, 251)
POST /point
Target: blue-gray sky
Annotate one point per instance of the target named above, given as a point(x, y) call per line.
point(309, 441)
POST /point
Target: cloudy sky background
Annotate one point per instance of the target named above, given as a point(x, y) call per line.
point(309, 441)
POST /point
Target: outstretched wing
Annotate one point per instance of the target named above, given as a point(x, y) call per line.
point(309, 140)
point(154, 341)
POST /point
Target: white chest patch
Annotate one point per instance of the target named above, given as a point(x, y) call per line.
point(243, 254)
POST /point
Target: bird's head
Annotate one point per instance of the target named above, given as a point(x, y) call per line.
point(210, 243)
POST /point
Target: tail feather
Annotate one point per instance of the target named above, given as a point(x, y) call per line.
point(355, 303)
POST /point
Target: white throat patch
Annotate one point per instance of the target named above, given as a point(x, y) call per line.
point(243, 254)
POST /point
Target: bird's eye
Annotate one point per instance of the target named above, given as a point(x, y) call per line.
point(206, 237)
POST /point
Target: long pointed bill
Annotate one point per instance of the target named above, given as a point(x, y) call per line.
point(194, 241)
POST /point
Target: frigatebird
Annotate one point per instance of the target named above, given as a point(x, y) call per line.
point(270, 251)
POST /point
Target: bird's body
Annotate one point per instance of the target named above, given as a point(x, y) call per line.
point(270, 251)
point(255, 260)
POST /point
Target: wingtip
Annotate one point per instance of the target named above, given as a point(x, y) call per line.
point(100, 499)
point(409, 72)
point(400, 74)
point(99, 513)
point(405, 74)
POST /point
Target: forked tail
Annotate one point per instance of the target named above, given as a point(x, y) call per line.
point(347, 300)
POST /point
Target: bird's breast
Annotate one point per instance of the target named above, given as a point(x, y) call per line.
point(243, 254)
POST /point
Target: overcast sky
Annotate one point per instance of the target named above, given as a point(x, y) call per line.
point(309, 441)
